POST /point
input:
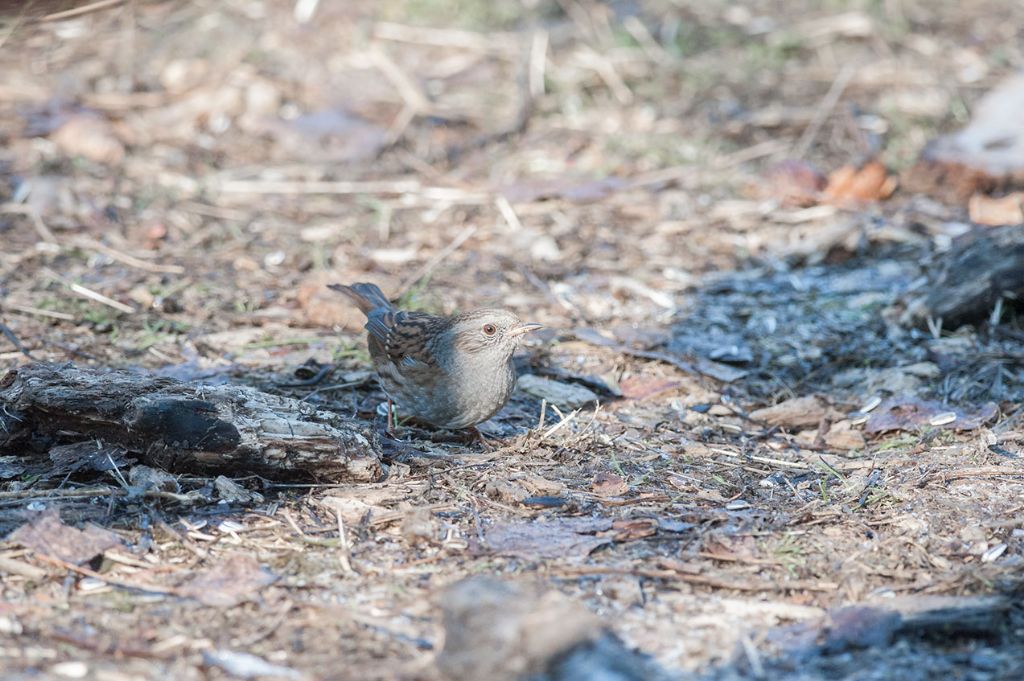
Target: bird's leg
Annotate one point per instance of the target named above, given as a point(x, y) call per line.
point(476, 435)
point(390, 430)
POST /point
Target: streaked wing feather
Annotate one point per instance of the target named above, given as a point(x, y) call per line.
point(400, 337)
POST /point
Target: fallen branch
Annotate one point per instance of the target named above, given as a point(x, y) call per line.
point(982, 268)
point(179, 426)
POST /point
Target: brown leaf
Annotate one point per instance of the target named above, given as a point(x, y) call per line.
point(644, 387)
point(48, 535)
point(1005, 210)
point(842, 435)
point(323, 307)
point(521, 486)
point(559, 538)
point(911, 413)
point(631, 529)
point(236, 579)
point(353, 510)
point(796, 412)
point(607, 484)
point(795, 183)
point(870, 182)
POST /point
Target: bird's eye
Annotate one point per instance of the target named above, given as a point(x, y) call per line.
point(490, 329)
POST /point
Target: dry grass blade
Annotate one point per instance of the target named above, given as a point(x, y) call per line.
point(81, 11)
point(124, 258)
point(344, 551)
point(107, 579)
point(42, 230)
point(7, 333)
point(824, 110)
point(502, 43)
point(100, 298)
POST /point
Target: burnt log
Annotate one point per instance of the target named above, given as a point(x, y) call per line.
point(980, 268)
point(180, 426)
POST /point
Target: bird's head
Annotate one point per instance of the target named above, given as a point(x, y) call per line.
point(489, 333)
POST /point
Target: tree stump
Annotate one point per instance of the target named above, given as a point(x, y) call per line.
point(179, 426)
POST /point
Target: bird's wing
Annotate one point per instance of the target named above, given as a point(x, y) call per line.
point(402, 338)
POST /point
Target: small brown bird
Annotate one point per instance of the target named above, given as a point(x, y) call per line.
point(452, 372)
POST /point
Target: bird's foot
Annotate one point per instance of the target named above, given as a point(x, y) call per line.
point(476, 436)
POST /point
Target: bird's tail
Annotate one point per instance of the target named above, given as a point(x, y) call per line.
point(367, 297)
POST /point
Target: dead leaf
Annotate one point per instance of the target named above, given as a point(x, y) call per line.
point(522, 486)
point(607, 484)
point(795, 183)
point(354, 511)
point(385, 494)
point(911, 413)
point(631, 529)
point(322, 307)
point(842, 435)
point(558, 538)
point(1005, 210)
point(796, 412)
point(419, 526)
point(870, 182)
point(236, 579)
point(505, 490)
point(645, 387)
point(91, 137)
point(48, 535)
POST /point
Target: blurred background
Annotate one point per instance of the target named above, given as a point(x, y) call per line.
point(209, 165)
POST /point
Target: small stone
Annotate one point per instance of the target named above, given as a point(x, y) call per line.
point(566, 396)
point(419, 526)
point(90, 137)
point(624, 591)
point(183, 74)
point(145, 477)
point(70, 670)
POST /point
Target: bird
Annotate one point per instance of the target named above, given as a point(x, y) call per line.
point(450, 372)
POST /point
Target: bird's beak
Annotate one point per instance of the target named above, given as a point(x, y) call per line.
point(525, 328)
